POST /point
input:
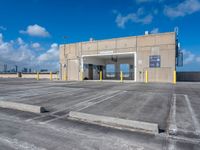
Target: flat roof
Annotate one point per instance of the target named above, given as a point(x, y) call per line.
point(164, 33)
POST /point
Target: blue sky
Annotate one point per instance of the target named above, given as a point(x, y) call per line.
point(31, 30)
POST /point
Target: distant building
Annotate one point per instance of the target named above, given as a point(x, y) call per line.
point(16, 68)
point(5, 68)
point(25, 70)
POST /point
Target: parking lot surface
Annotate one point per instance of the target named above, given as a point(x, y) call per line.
point(175, 108)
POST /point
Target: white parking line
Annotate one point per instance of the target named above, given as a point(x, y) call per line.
point(35, 94)
point(90, 104)
point(194, 118)
point(51, 120)
point(172, 117)
point(71, 107)
point(101, 100)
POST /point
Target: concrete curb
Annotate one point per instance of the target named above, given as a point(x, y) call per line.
point(118, 123)
point(22, 107)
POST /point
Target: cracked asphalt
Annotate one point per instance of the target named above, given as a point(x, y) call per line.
point(173, 107)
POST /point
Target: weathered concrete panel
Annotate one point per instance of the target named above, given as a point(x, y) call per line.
point(126, 42)
point(91, 46)
point(107, 45)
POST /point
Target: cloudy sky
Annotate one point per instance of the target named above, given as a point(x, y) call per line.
point(31, 30)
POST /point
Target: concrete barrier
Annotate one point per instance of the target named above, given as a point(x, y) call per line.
point(22, 107)
point(118, 123)
point(29, 75)
point(7, 75)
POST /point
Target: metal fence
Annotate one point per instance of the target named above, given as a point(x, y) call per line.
point(188, 76)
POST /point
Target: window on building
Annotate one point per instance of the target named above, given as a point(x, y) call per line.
point(125, 68)
point(110, 70)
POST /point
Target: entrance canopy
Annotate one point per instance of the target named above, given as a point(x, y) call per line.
point(110, 66)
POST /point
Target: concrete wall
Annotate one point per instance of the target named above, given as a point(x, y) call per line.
point(8, 75)
point(30, 75)
point(188, 76)
point(163, 44)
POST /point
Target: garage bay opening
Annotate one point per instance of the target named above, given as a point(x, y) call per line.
point(109, 67)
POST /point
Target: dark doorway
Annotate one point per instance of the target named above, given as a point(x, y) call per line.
point(90, 71)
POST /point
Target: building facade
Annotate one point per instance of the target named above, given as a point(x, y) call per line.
point(136, 57)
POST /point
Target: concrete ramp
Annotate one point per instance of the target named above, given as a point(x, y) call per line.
point(22, 107)
point(118, 123)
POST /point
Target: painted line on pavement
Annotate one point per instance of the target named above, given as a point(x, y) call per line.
point(193, 115)
point(172, 117)
point(78, 109)
point(74, 106)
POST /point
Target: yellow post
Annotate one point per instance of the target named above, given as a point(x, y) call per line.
point(146, 76)
point(81, 75)
point(38, 76)
point(121, 76)
point(51, 76)
point(65, 77)
point(100, 75)
point(174, 81)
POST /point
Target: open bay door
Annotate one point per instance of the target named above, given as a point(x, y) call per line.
point(111, 67)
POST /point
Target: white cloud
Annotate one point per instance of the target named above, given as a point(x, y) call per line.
point(18, 52)
point(189, 57)
point(51, 55)
point(154, 31)
point(20, 41)
point(3, 28)
point(36, 30)
point(138, 17)
point(187, 7)
point(35, 45)
point(198, 59)
point(15, 52)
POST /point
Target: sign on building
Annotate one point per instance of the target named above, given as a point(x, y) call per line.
point(154, 61)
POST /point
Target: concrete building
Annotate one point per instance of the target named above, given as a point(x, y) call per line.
point(134, 56)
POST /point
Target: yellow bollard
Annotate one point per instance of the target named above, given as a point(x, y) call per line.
point(65, 77)
point(146, 76)
point(38, 76)
point(100, 75)
point(51, 76)
point(81, 76)
point(121, 76)
point(174, 81)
